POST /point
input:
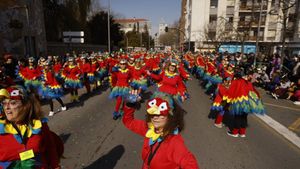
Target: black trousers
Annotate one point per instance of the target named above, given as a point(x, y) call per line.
point(239, 121)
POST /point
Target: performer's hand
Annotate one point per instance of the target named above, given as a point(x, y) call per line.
point(148, 72)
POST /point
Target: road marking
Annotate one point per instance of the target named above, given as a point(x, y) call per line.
point(295, 125)
point(282, 130)
point(284, 107)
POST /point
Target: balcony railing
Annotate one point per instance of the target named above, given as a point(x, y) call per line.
point(248, 8)
point(253, 38)
point(253, 24)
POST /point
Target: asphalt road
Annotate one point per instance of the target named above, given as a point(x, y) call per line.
point(94, 141)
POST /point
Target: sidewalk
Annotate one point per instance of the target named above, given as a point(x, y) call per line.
point(282, 111)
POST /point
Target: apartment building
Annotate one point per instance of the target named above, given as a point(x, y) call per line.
point(209, 22)
point(129, 24)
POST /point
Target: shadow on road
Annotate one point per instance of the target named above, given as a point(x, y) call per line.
point(85, 96)
point(64, 137)
point(109, 160)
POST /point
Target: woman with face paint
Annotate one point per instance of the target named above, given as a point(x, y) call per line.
point(121, 75)
point(26, 141)
point(170, 82)
point(31, 75)
point(163, 144)
point(71, 75)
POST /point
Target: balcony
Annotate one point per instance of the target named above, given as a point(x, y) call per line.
point(253, 24)
point(253, 38)
point(212, 26)
point(248, 8)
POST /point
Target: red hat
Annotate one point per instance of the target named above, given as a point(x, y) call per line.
point(158, 106)
point(16, 92)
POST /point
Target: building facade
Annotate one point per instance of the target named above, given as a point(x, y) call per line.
point(22, 28)
point(209, 22)
point(134, 23)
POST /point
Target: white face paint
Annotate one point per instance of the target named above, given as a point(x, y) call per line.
point(12, 109)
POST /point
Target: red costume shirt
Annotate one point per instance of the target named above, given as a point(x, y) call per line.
point(172, 153)
point(171, 84)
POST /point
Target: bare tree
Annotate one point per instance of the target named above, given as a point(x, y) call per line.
point(169, 38)
point(216, 33)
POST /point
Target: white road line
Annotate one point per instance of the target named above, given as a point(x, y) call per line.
point(282, 130)
point(284, 107)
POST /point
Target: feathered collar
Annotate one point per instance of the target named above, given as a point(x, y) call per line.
point(123, 70)
point(169, 74)
point(153, 136)
point(71, 66)
point(7, 128)
point(137, 68)
point(131, 64)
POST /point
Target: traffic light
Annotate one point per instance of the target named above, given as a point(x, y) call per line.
point(166, 29)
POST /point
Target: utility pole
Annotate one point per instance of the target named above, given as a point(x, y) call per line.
point(190, 28)
point(108, 26)
point(258, 31)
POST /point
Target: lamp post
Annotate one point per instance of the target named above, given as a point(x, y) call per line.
point(126, 42)
point(28, 26)
point(149, 33)
point(190, 28)
point(108, 26)
point(258, 30)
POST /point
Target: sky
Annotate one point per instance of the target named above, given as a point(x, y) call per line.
point(155, 11)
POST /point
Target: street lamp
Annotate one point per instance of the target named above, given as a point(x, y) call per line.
point(190, 28)
point(108, 26)
point(258, 31)
point(28, 26)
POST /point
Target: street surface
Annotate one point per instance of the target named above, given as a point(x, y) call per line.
point(93, 140)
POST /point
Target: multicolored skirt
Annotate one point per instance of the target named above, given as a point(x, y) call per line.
point(206, 76)
point(33, 84)
point(199, 71)
point(119, 91)
point(137, 84)
point(215, 79)
point(91, 77)
point(156, 70)
point(72, 83)
point(51, 92)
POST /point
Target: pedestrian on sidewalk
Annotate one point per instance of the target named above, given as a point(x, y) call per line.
point(163, 146)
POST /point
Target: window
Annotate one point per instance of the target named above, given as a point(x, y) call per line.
point(214, 3)
point(212, 18)
point(129, 25)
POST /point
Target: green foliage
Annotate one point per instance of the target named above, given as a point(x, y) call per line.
point(71, 15)
point(64, 16)
point(97, 30)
